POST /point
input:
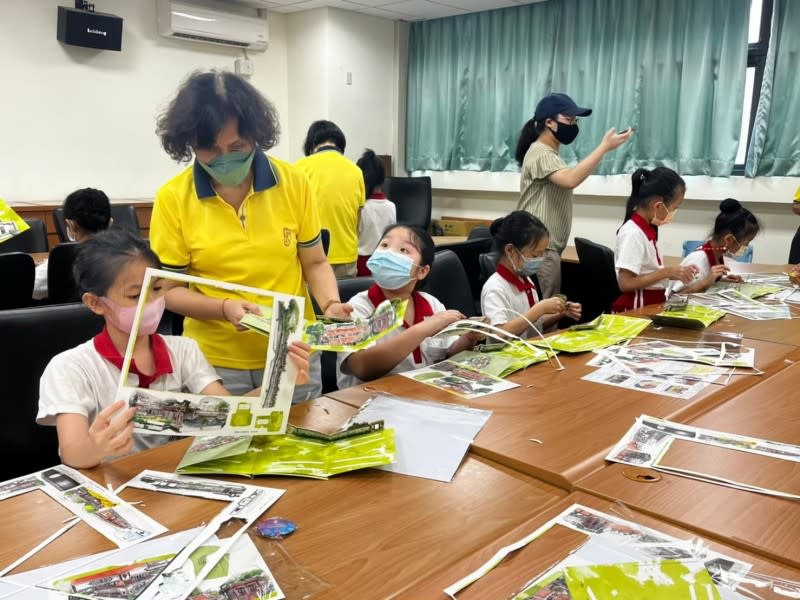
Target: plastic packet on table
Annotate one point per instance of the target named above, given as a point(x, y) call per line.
point(296, 580)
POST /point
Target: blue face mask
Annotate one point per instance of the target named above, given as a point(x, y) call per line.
point(530, 266)
point(391, 271)
point(229, 169)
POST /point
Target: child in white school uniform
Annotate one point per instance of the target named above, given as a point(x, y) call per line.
point(399, 264)
point(641, 274)
point(77, 389)
point(378, 212)
point(734, 230)
point(521, 239)
point(86, 211)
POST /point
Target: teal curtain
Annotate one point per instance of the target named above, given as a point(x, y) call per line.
point(775, 142)
point(672, 69)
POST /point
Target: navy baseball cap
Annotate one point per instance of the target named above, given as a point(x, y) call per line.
point(555, 104)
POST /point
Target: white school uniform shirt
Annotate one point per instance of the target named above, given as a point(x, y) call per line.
point(378, 213)
point(697, 258)
point(432, 349)
point(80, 381)
point(498, 295)
point(636, 253)
point(40, 282)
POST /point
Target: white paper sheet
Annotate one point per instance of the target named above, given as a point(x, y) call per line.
point(431, 438)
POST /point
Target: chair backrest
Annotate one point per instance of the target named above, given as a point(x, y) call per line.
point(599, 274)
point(468, 253)
point(449, 283)
point(347, 289)
point(690, 246)
point(124, 216)
point(61, 224)
point(30, 241)
point(16, 291)
point(488, 265)
point(412, 197)
point(325, 234)
point(61, 286)
point(479, 232)
point(33, 337)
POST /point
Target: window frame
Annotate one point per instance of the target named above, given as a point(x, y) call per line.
point(757, 58)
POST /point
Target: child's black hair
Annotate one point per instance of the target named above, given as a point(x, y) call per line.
point(320, 132)
point(89, 208)
point(103, 256)
point(421, 240)
point(373, 169)
point(647, 186)
point(519, 228)
point(735, 219)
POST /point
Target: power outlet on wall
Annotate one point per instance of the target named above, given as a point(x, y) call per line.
point(244, 67)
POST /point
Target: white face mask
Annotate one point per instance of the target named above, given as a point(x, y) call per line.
point(740, 252)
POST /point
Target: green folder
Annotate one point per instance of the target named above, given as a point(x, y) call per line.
point(288, 454)
point(691, 316)
point(605, 330)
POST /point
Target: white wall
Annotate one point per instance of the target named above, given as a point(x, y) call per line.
point(598, 217)
point(324, 45)
point(74, 117)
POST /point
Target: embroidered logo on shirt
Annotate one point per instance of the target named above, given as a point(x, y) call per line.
point(287, 236)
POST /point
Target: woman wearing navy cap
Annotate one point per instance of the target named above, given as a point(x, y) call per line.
point(546, 184)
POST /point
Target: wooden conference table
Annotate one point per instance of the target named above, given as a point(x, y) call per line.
point(760, 523)
point(576, 422)
point(369, 533)
point(538, 556)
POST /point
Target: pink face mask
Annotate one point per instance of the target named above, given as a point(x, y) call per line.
point(122, 316)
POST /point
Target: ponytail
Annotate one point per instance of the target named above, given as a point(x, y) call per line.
point(373, 170)
point(646, 186)
point(519, 228)
point(529, 134)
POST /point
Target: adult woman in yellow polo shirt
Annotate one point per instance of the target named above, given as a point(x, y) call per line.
point(339, 187)
point(239, 216)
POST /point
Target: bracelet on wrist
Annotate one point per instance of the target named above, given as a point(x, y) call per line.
point(329, 304)
point(224, 300)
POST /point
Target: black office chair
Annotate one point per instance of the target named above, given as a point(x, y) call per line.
point(16, 291)
point(123, 215)
point(347, 289)
point(488, 265)
point(326, 240)
point(29, 241)
point(468, 253)
point(599, 276)
point(479, 232)
point(449, 283)
point(61, 286)
point(38, 334)
point(412, 196)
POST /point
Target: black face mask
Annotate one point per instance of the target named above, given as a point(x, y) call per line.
point(566, 134)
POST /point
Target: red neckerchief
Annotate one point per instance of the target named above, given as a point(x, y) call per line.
point(105, 348)
point(378, 196)
point(709, 250)
point(523, 285)
point(422, 309)
point(649, 231)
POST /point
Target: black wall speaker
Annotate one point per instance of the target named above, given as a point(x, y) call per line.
point(89, 29)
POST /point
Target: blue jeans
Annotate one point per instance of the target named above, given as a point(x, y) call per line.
point(240, 381)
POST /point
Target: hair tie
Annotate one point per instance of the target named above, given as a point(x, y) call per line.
point(641, 177)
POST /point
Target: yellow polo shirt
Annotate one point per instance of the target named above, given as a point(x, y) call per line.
point(339, 187)
point(195, 231)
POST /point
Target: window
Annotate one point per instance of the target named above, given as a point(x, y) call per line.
point(758, 38)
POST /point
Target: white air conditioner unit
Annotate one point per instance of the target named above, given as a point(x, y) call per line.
point(186, 21)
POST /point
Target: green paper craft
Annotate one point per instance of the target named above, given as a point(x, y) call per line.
point(510, 358)
point(692, 316)
point(605, 330)
point(259, 323)
point(290, 455)
point(11, 223)
point(337, 335)
point(751, 290)
point(663, 580)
